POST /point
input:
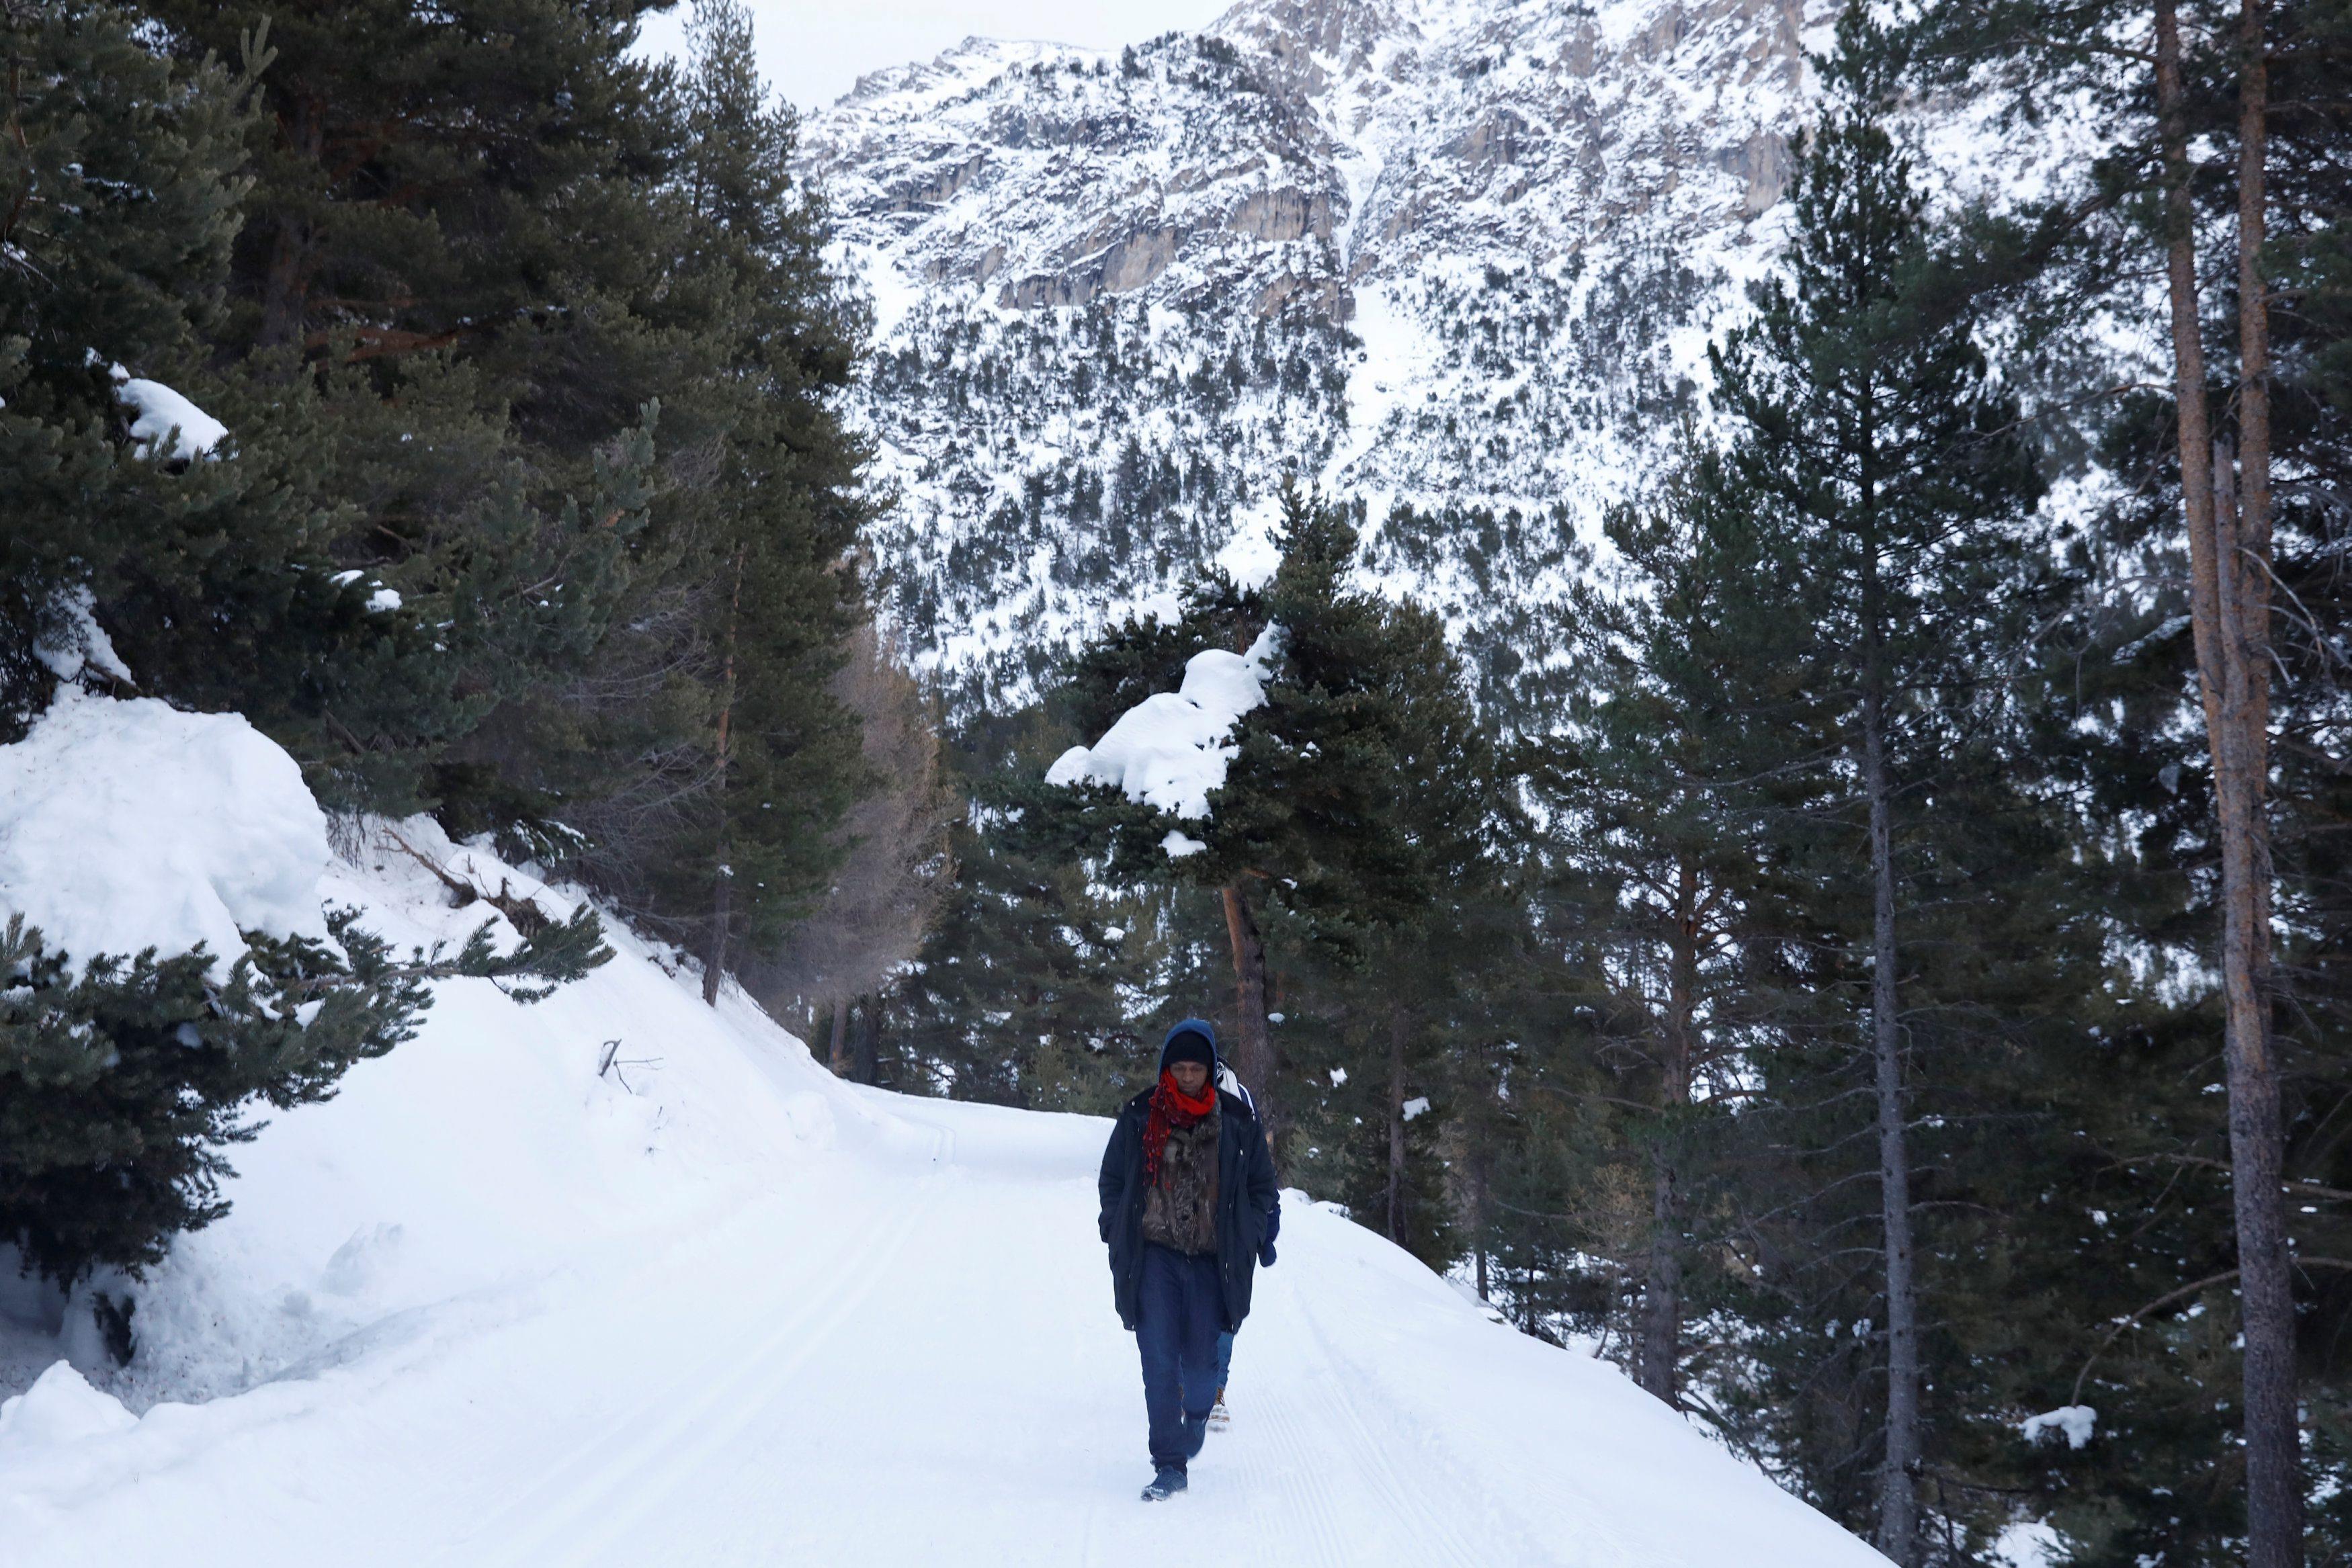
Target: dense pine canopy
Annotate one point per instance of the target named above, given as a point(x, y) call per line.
point(533, 510)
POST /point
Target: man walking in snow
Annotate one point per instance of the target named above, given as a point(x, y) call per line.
point(1187, 1189)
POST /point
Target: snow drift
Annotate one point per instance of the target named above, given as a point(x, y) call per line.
point(128, 825)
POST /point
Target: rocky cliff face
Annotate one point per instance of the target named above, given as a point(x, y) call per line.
point(1455, 261)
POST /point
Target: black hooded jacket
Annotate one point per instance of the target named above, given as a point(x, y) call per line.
point(1246, 1194)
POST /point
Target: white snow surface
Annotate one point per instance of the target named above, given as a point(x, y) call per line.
point(2029, 1543)
point(60, 1408)
point(487, 1307)
point(2075, 1421)
point(380, 600)
point(1169, 750)
point(84, 644)
point(129, 825)
point(165, 415)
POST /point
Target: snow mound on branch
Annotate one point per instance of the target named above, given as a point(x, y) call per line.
point(1171, 749)
point(82, 643)
point(381, 600)
point(129, 825)
point(163, 412)
point(2076, 1421)
point(60, 1408)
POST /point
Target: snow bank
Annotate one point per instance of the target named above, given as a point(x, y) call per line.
point(164, 414)
point(128, 825)
point(60, 1408)
point(1169, 750)
point(1161, 609)
point(454, 1176)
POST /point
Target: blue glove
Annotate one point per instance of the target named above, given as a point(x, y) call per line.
point(1266, 1255)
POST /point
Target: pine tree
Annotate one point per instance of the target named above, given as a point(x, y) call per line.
point(122, 1080)
point(426, 318)
point(770, 589)
point(121, 228)
point(1359, 803)
point(2195, 144)
point(1879, 453)
point(1663, 868)
point(1038, 987)
point(550, 337)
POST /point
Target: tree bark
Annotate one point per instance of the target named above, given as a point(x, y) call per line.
point(869, 1039)
point(2256, 1116)
point(723, 897)
point(723, 880)
point(1252, 1052)
point(837, 1057)
point(1660, 1351)
point(2189, 361)
point(1399, 1025)
point(1478, 1208)
point(1660, 1355)
point(2228, 550)
point(1898, 1503)
point(2257, 1132)
point(286, 286)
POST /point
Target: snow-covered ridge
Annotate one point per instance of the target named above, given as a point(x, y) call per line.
point(1464, 255)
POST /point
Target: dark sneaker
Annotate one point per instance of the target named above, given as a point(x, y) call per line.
point(1165, 1484)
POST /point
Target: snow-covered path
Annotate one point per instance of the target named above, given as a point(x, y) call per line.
point(888, 1340)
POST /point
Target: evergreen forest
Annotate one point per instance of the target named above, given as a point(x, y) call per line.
point(1885, 979)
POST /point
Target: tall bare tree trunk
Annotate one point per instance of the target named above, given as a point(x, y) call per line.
point(1898, 1501)
point(1400, 1026)
point(286, 284)
point(869, 1039)
point(723, 882)
point(2228, 549)
point(1478, 1210)
point(2257, 1129)
point(1252, 1052)
point(1660, 1352)
point(837, 1058)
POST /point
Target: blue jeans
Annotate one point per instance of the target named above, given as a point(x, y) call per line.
point(1225, 1359)
point(1180, 1309)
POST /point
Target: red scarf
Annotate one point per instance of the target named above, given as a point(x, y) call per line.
point(1171, 1107)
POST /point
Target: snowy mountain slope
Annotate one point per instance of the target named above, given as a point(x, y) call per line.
point(488, 1307)
point(1460, 257)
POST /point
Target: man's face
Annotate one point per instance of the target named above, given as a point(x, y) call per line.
point(1190, 1076)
